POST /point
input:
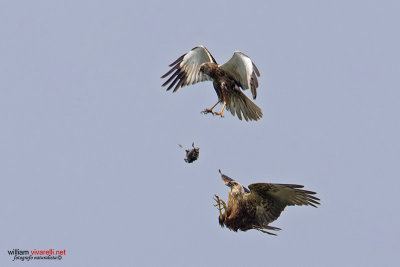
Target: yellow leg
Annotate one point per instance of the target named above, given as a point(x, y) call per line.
point(222, 110)
point(216, 198)
point(209, 110)
point(219, 202)
point(224, 204)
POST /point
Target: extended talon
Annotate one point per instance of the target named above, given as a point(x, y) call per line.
point(219, 203)
point(216, 198)
point(224, 204)
point(210, 110)
point(222, 110)
point(206, 111)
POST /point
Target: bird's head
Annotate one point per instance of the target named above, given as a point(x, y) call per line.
point(205, 68)
point(202, 67)
point(232, 184)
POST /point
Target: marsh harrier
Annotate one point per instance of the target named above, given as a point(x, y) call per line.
point(262, 204)
point(199, 65)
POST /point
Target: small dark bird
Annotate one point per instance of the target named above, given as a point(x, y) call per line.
point(191, 154)
point(262, 204)
point(238, 73)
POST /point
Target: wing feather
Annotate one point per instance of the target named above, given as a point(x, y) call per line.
point(178, 60)
point(271, 199)
point(286, 194)
point(187, 68)
point(244, 71)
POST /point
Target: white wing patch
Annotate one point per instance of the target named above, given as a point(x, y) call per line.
point(187, 68)
point(243, 70)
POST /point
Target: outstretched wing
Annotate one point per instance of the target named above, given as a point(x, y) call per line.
point(271, 199)
point(187, 68)
point(244, 71)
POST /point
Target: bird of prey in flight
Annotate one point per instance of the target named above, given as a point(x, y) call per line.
point(191, 154)
point(262, 204)
point(238, 73)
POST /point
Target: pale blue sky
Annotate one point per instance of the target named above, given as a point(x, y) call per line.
point(89, 140)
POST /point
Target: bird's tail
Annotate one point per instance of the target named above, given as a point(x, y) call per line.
point(240, 104)
point(266, 227)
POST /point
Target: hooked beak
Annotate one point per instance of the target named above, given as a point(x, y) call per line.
point(227, 181)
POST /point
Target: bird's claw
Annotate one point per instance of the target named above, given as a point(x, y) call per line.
point(207, 110)
point(219, 203)
point(220, 114)
point(216, 198)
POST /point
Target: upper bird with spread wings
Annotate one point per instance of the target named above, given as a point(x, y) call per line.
point(262, 204)
point(199, 65)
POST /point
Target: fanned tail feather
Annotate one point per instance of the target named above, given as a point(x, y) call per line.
point(243, 107)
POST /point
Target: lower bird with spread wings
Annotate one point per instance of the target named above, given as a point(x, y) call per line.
point(199, 65)
point(262, 204)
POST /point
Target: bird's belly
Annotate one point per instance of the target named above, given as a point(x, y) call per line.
point(223, 88)
point(240, 220)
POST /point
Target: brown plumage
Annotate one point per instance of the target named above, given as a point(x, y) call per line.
point(228, 79)
point(262, 204)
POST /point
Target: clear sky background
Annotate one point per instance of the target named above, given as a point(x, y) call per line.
point(89, 139)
